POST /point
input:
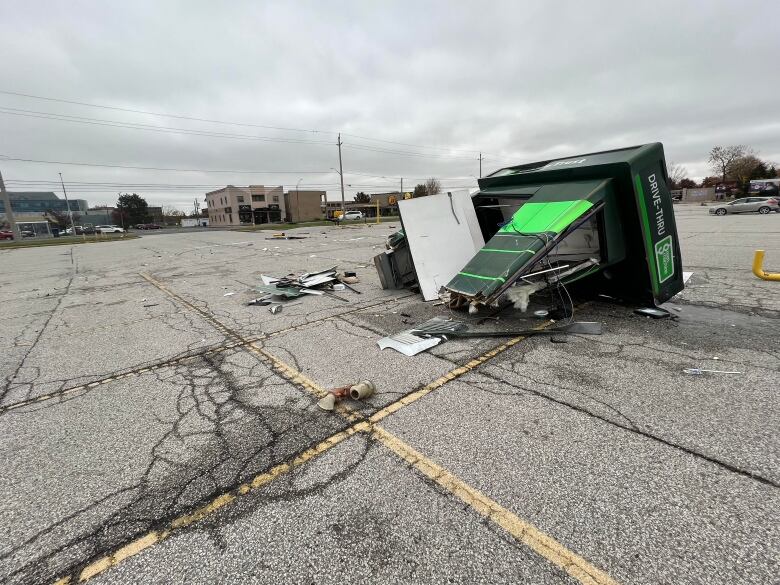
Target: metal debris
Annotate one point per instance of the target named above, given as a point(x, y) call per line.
point(700, 371)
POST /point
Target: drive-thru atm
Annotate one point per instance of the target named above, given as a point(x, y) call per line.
point(602, 223)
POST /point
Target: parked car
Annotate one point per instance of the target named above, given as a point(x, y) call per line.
point(27, 233)
point(148, 226)
point(352, 215)
point(747, 205)
point(69, 231)
point(109, 229)
point(6, 235)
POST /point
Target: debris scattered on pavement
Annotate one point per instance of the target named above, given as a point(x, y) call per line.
point(262, 301)
point(284, 236)
point(152, 305)
point(700, 371)
point(277, 308)
point(412, 341)
point(653, 312)
point(322, 282)
point(359, 391)
point(229, 294)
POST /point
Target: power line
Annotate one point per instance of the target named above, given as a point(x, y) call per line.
point(177, 116)
point(206, 171)
point(229, 123)
point(190, 132)
point(405, 153)
point(149, 127)
point(407, 143)
point(140, 168)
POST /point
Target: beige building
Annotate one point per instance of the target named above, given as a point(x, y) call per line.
point(233, 206)
point(303, 205)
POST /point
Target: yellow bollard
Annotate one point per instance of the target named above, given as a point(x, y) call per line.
point(758, 261)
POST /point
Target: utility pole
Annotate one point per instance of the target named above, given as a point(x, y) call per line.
point(70, 213)
point(480, 165)
point(121, 212)
point(9, 213)
point(341, 175)
point(402, 187)
point(297, 201)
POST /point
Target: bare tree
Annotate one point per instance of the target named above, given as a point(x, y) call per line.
point(432, 186)
point(676, 174)
point(742, 167)
point(721, 157)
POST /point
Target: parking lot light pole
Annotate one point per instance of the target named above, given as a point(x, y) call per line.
point(70, 213)
point(9, 213)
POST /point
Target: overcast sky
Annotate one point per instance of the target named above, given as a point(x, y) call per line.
point(519, 81)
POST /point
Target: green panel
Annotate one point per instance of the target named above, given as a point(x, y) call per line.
point(531, 227)
point(552, 216)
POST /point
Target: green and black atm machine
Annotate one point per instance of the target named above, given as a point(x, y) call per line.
point(599, 223)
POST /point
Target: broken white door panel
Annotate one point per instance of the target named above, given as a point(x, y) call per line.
point(443, 235)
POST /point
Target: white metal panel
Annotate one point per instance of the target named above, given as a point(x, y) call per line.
point(443, 235)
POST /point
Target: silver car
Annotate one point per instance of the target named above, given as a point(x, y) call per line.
point(747, 205)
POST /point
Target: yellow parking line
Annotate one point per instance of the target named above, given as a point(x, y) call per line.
point(522, 530)
point(448, 377)
point(156, 536)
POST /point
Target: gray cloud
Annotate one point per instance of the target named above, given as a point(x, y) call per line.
point(519, 81)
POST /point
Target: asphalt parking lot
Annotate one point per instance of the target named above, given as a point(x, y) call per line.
point(154, 429)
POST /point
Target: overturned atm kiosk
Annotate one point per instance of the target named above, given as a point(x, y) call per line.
point(598, 223)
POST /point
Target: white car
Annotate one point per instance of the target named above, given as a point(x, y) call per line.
point(351, 215)
point(109, 229)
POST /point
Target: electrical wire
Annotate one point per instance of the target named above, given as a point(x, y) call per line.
point(140, 168)
point(568, 318)
point(150, 127)
point(229, 123)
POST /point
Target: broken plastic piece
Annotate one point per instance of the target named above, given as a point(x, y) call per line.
point(407, 343)
point(653, 312)
point(362, 390)
point(328, 402)
point(275, 309)
point(700, 371)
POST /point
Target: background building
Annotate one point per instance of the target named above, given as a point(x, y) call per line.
point(254, 204)
point(303, 205)
point(34, 205)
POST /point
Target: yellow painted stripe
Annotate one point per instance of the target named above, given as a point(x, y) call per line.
point(522, 530)
point(156, 536)
point(449, 376)
point(294, 376)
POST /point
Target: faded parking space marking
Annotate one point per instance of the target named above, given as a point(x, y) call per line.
point(521, 530)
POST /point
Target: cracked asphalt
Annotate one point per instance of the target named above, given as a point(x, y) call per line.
point(155, 430)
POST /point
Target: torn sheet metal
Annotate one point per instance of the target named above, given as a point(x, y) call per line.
point(413, 341)
point(289, 292)
point(407, 343)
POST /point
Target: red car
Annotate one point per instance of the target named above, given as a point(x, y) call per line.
point(6, 235)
